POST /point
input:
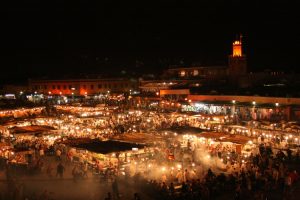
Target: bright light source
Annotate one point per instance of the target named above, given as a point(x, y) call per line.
point(233, 101)
point(276, 104)
point(200, 105)
point(253, 102)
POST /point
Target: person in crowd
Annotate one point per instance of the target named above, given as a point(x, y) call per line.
point(136, 196)
point(115, 189)
point(108, 197)
point(60, 170)
point(49, 170)
point(58, 154)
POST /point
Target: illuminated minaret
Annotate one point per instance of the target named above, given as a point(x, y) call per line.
point(237, 48)
point(237, 61)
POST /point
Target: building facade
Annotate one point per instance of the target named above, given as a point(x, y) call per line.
point(237, 62)
point(82, 86)
point(197, 72)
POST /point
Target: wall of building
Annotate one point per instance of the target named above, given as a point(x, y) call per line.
point(81, 86)
point(257, 99)
point(197, 72)
point(176, 92)
point(14, 89)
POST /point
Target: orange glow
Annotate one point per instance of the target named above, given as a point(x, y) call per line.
point(237, 49)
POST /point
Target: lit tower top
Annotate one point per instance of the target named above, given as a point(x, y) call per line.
point(237, 47)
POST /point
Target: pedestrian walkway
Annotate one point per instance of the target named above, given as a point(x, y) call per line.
point(90, 188)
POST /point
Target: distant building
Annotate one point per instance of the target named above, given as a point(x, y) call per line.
point(237, 65)
point(197, 75)
point(82, 86)
point(233, 79)
point(197, 72)
point(14, 89)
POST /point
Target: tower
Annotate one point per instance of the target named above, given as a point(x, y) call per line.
point(237, 61)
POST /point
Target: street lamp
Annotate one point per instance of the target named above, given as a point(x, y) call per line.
point(276, 104)
point(233, 101)
point(254, 103)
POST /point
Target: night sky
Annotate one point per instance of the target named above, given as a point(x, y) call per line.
point(54, 38)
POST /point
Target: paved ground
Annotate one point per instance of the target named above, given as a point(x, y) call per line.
point(90, 188)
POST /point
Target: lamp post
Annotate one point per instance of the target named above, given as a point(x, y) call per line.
point(233, 107)
point(34, 97)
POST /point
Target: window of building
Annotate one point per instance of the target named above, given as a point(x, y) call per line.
point(196, 72)
point(65, 87)
point(58, 87)
point(45, 87)
point(70, 87)
point(182, 73)
point(84, 86)
point(92, 87)
point(99, 86)
point(53, 87)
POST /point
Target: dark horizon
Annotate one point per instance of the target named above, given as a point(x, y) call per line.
point(41, 39)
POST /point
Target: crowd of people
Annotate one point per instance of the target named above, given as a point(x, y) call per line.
point(265, 172)
point(264, 176)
